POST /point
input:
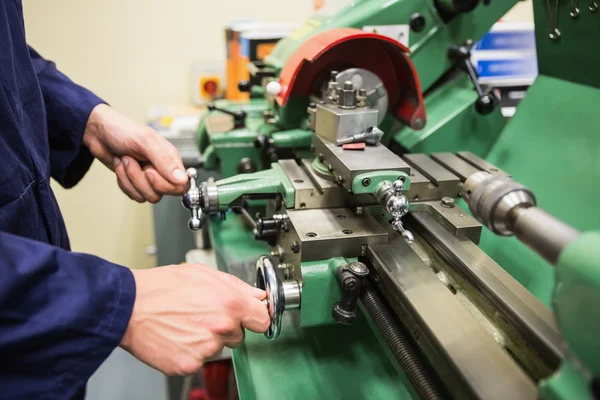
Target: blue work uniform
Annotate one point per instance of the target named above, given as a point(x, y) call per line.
point(61, 313)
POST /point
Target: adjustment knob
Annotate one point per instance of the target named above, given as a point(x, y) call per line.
point(486, 104)
point(244, 86)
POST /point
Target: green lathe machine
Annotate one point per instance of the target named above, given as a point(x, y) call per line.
point(375, 194)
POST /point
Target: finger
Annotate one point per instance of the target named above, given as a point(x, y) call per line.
point(160, 184)
point(234, 339)
point(241, 285)
point(164, 157)
point(124, 182)
point(139, 180)
point(255, 316)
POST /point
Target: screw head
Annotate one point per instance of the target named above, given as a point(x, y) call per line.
point(447, 202)
point(358, 268)
point(330, 167)
point(418, 124)
point(417, 22)
point(340, 179)
point(295, 247)
point(366, 182)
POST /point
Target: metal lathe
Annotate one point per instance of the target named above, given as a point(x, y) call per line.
point(376, 219)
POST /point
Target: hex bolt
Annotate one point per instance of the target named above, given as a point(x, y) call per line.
point(340, 179)
point(358, 211)
point(447, 202)
point(330, 167)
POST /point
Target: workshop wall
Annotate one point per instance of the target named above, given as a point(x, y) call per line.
point(134, 54)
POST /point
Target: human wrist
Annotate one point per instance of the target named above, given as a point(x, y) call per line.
point(95, 123)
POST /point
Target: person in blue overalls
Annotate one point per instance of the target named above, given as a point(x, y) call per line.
point(62, 313)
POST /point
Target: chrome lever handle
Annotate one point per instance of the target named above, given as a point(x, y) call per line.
point(191, 200)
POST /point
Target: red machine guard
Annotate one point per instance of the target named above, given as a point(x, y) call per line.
point(309, 67)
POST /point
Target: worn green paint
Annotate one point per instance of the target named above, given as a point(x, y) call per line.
point(273, 180)
point(576, 300)
point(320, 168)
point(376, 178)
point(550, 139)
point(453, 124)
point(567, 383)
point(323, 362)
point(320, 291)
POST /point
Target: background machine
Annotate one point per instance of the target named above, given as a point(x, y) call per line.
point(374, 210)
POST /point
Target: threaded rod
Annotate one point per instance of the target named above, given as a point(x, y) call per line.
point(399, 344)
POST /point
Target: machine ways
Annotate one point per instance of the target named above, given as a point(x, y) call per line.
point(478, 331)
point(458, 325)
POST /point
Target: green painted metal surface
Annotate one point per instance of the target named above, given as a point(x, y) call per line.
point(292, 138)
point(320, 291)
point(375, 179)
point(566, 384)
point(324, 362)
point(321, 362)
point(273, 180)
point(235, 248)
point(575, 56)
point(552, 138)
point(321, 169)
point(576, 301)
point(453, 124)
point(431, 43)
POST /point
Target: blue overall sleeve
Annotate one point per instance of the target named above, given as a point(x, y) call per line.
point(61, 315)
point(68, 107)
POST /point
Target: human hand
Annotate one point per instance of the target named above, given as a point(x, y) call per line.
point(184, 314)
point(146, 164)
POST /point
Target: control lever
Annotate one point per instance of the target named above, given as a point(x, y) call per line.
point(350, 277)
point(390, 196)
point(191, 200)
point(461, 55)
point(239, 117)
point(371, 136)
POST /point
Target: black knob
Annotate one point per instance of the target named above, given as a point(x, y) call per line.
point(486, 104)
point(244, 86)
point(461, 56)
point(457, 6)
point(239, 116)
point(417, 22)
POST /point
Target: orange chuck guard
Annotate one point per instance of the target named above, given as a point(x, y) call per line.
point(308, 69)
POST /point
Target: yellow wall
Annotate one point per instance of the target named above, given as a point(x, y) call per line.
point(136, 53)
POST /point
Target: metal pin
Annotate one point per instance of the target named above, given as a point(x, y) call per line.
point(554, 33)
point(574, 9)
